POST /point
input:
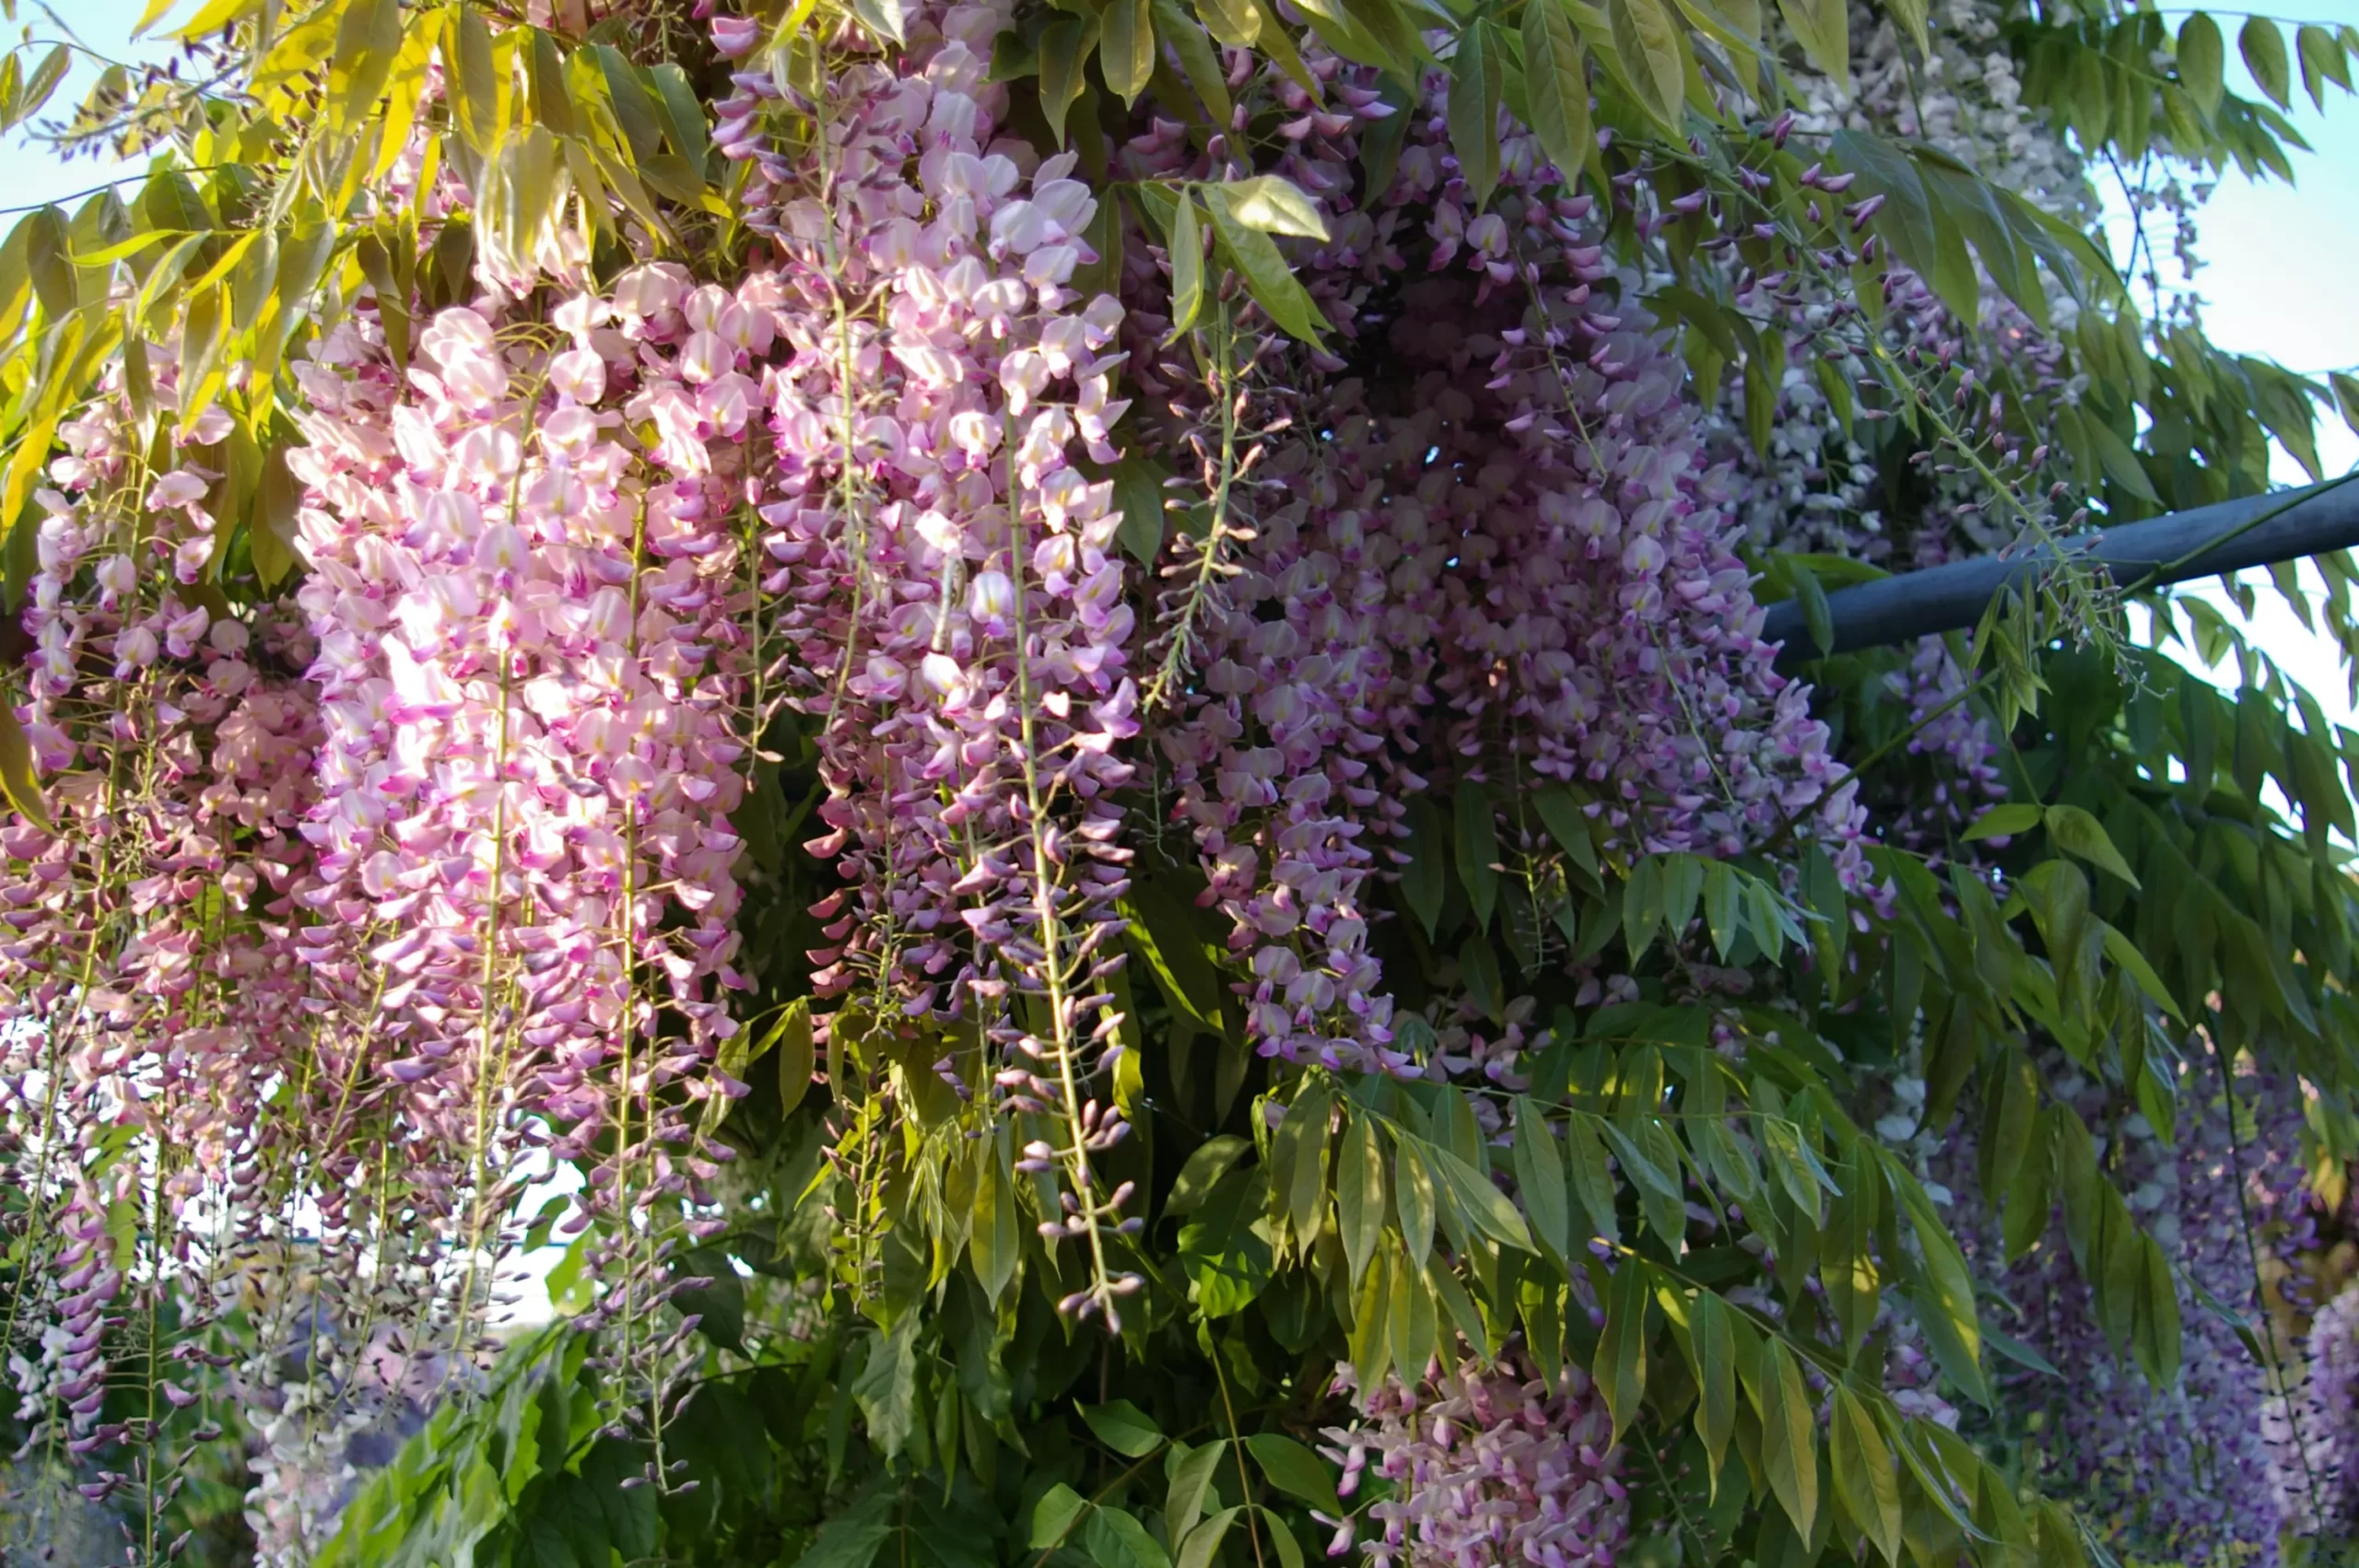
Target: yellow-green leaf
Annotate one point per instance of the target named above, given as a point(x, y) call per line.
point(791, 1037)
point(1555, 75)
point(468, 77)
point(1824, 29)
point(1539, 1179)
point(1126, 47)
point(1789, 1436)
point(2202, 56)
point(1267, 276)
point(1064, 49)
point(2263, 48)
point(1714, 1344)
point(1865, 1481)
point(1187, 253)
point(1236, 23)
point(1911, 14)
point(1474, 88)
point(366, 42)
point(49, 258)
point(1653, 56)
point(1275, 205)
point(271, 536)
point(1621, 1369)
point(16, 768)
point(2076, 830)
point(1360, 1196)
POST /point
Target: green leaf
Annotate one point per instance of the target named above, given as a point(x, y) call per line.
point(1555, 75)
point(1478, 966)
point(2117, 459)
point(2076, 830)
point(1474, 86)
point(1764, 379)
point(1865, 1481)
point(1187, 253)
point(1592, 1178)
point(1224, 1248)
point(1911, 14)
point(1483, 1203)
point(1621, 1366)
point(1944, 1291)
point(469, 79)
point(1648, 39)
point(2124, 953)
point(883, 17)
point(2009, 821)
point(791, 1037)
point(1281, 1536)
point(35, 94)
point(1421, 879)
point(1298, 1160)
point(2263, 48)
point(1211, 1160)
point(204, 343)
point(367, 40)
point(2155, 1337)
point(1123, 1427)
point(1126, 47)
point(1201, 1547)
point(1824, 29)
point(1163, 928)
point(2322, 61)
point(1642, 906)
point(1236, 23)
point(887, 1388)
point(1266, 274)
point(17, 777)
point(1191, 1482)
point(1569, 826)
point(1199, 62)
point(1789, 1435)
point(2202, 54)
point(1064, 49)
point(1714, 1344)
point(1053, 1516)
point(1540, 1180)
point(1412, 1198)
point(1360, 1196)
point(1477, 850)
point(1275, 205)
point(1295, 1470)
point(1117, 1540)
point(49, 257)
point(993, 1244)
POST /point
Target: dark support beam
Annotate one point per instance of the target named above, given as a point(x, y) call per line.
point(2203, 543)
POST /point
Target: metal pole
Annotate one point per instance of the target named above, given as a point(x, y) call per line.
point(2201, 543)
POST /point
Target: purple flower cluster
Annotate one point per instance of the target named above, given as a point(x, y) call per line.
point(2189, 1473)
point(1487, 1466)
point(1513, 564)
point(956, 609)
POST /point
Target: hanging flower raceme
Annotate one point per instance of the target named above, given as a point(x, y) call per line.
point(148, 971)
point(525, 574)
point(2184, 1474)
point(1485, 1464)
point(2313, 1430)
point(955, 609)
point(1517, 568)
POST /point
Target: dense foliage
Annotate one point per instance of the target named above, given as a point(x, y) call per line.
point(1034, 741)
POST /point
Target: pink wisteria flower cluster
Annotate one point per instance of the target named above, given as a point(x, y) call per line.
point(1487, 1463)
point(432, 853)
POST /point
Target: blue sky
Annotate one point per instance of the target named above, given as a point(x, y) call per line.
point(2280, 279)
